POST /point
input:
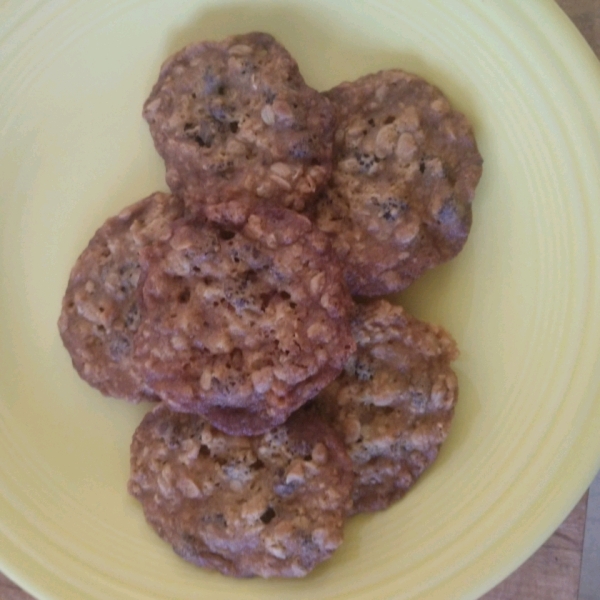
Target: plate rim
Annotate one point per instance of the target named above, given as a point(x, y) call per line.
point(579, 57)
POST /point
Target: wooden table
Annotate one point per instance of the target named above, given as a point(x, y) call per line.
point(552, 573)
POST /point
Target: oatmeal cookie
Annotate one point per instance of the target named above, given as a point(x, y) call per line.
point(405, 170)
point(100, 310)
point(234, 118)
point(272, 505)
point(394, 402)
point(244, 321)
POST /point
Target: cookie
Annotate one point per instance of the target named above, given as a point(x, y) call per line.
point(235, 118)
point(394, 402)
point(100, 310)
point(244, 321)
point(405, 170)
point(272, 505)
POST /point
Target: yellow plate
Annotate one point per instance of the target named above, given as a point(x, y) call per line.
point(523, 299)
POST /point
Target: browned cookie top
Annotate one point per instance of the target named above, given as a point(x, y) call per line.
point(234, 118)
point(244, 321)
point(271, 505)
point(100, 310)
point(394, 402)
point(406, 167)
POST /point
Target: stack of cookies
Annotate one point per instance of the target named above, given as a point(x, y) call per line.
point(284, 406)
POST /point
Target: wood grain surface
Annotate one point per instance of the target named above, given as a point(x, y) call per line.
point(586, 16)
point(552, 573)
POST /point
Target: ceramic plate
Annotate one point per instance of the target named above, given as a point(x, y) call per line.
point(522, 299)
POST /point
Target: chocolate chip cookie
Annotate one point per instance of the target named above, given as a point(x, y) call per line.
point(272, 505)
point(394, 402)
point(101, 310)
point(244, 321)
point(405, 170)
point(235, 118)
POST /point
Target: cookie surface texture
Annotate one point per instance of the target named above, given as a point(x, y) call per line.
point(244, 322)
point(100, 310)
point(235, 118)
point(271, 505)
point(405, 170)
point(394, 403)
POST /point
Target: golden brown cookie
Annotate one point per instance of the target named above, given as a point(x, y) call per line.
point(272, 505)
point(245, 321)
point(101, 311)
point(394, 402)
point(405, 170)
point(235, 118)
